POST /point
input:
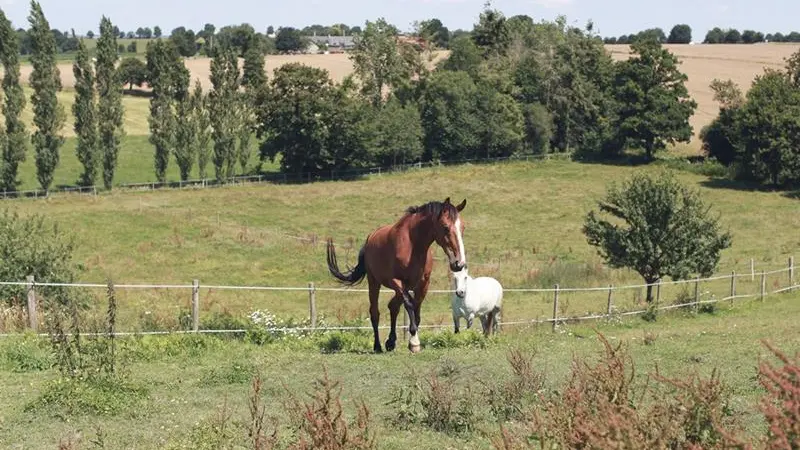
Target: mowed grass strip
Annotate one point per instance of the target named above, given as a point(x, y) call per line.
point(523, 226)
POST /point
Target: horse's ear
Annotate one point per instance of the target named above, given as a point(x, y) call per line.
point(461, 205)
point(447, 201)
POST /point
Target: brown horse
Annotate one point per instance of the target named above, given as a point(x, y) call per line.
point(400, 257)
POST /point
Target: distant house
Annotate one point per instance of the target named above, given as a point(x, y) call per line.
point(334, 44)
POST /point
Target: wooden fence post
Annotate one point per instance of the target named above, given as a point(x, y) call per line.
point(312, 304)
point(763, 285)
point(608, 306)
point(733, 285)
point(555, 308)
point(752, 270)
point(33, 320)
point(195, 305)
point(658, 292)
point(696, 293)
point(791, 272)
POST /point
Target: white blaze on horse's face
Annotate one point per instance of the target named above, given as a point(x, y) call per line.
point(461, 253)
point(460, 283)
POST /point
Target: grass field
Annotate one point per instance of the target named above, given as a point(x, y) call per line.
point(523, 226)
point(190, 382)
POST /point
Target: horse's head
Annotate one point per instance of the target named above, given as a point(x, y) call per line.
point(448, 232)
point(459, 282)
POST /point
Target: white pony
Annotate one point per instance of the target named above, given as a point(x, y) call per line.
point(480, 297)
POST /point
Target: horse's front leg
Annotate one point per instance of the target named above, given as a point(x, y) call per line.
point(394, 310)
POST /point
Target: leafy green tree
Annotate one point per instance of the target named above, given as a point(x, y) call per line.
point(254, 76)
point(314, 126)
point(85, 112)
point(434, 31)
point(569, 72)
point(185, 136)
point(289, 40)
point(659, 228)
point(651, 34)
point(246, 121)
point(398, 134)
point(184, 41)
point(450, 116)
point(721, 137)
point(202, 118)
point(377, 60)
point(714, 36)
point(14, 143)
point(169, 80)
point(110, 111)
point(655, 105)
point(491, 33)
point(157, 32)
point(223, 103)
point(503, 125)
point(538, 128)
point(48, 114)
point(132, 71)
point(31, 245)
point(769, 130)
point(680, 34)
point(733, 36)
point(464, 56)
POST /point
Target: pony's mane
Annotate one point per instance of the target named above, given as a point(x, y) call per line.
point(433, 208)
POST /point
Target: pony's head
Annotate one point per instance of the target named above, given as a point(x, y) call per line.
point(459, 282)
point(448, 229)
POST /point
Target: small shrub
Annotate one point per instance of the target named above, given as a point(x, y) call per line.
point(257, 425)
point(109, 396)
point(343, 341)
point(213, 433)
point(448, 339)
point(321, 421)
point(781, 403)
point(236, 373)
point(508, 399)
point(651, 313)
point(446, 409)
point(27, 353)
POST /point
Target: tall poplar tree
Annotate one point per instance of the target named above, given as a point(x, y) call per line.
point(48, 114)
point(85, 111)
point(109, 108)
point(14, 143)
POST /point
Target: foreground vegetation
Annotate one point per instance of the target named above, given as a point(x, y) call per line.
point(197, 392)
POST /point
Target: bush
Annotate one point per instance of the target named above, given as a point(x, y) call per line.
point(781, 404)
point(32, 246)
point(598, 408)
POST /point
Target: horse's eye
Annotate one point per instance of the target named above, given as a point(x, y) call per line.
point(446, 229)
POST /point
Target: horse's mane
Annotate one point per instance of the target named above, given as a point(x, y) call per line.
point(433, 208)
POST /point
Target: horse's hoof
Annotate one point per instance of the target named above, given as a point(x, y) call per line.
point(414, 344)
point(390, 346)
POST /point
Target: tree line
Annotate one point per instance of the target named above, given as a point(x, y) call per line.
point(682, 34)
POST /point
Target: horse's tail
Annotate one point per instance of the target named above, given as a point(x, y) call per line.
point(353, 275)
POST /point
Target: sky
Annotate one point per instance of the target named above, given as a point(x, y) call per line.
point(610, 17)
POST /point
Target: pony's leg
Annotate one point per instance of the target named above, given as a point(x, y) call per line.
point(470, 318)
point(487, 323)
point(394, 309)
point(456, 320)
point(497, 320)
point(374, 312)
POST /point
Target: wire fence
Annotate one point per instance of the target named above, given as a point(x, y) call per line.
point(521, 305)
point(270, 178)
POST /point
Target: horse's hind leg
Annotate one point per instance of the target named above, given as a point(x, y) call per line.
point(374, 312)
point(394, 309)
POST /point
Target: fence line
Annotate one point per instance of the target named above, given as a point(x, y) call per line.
point(30, 286)
point(276, 178)
point(554, 321)
point(362, 290)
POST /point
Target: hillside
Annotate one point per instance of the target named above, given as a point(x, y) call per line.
point(523, 226)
